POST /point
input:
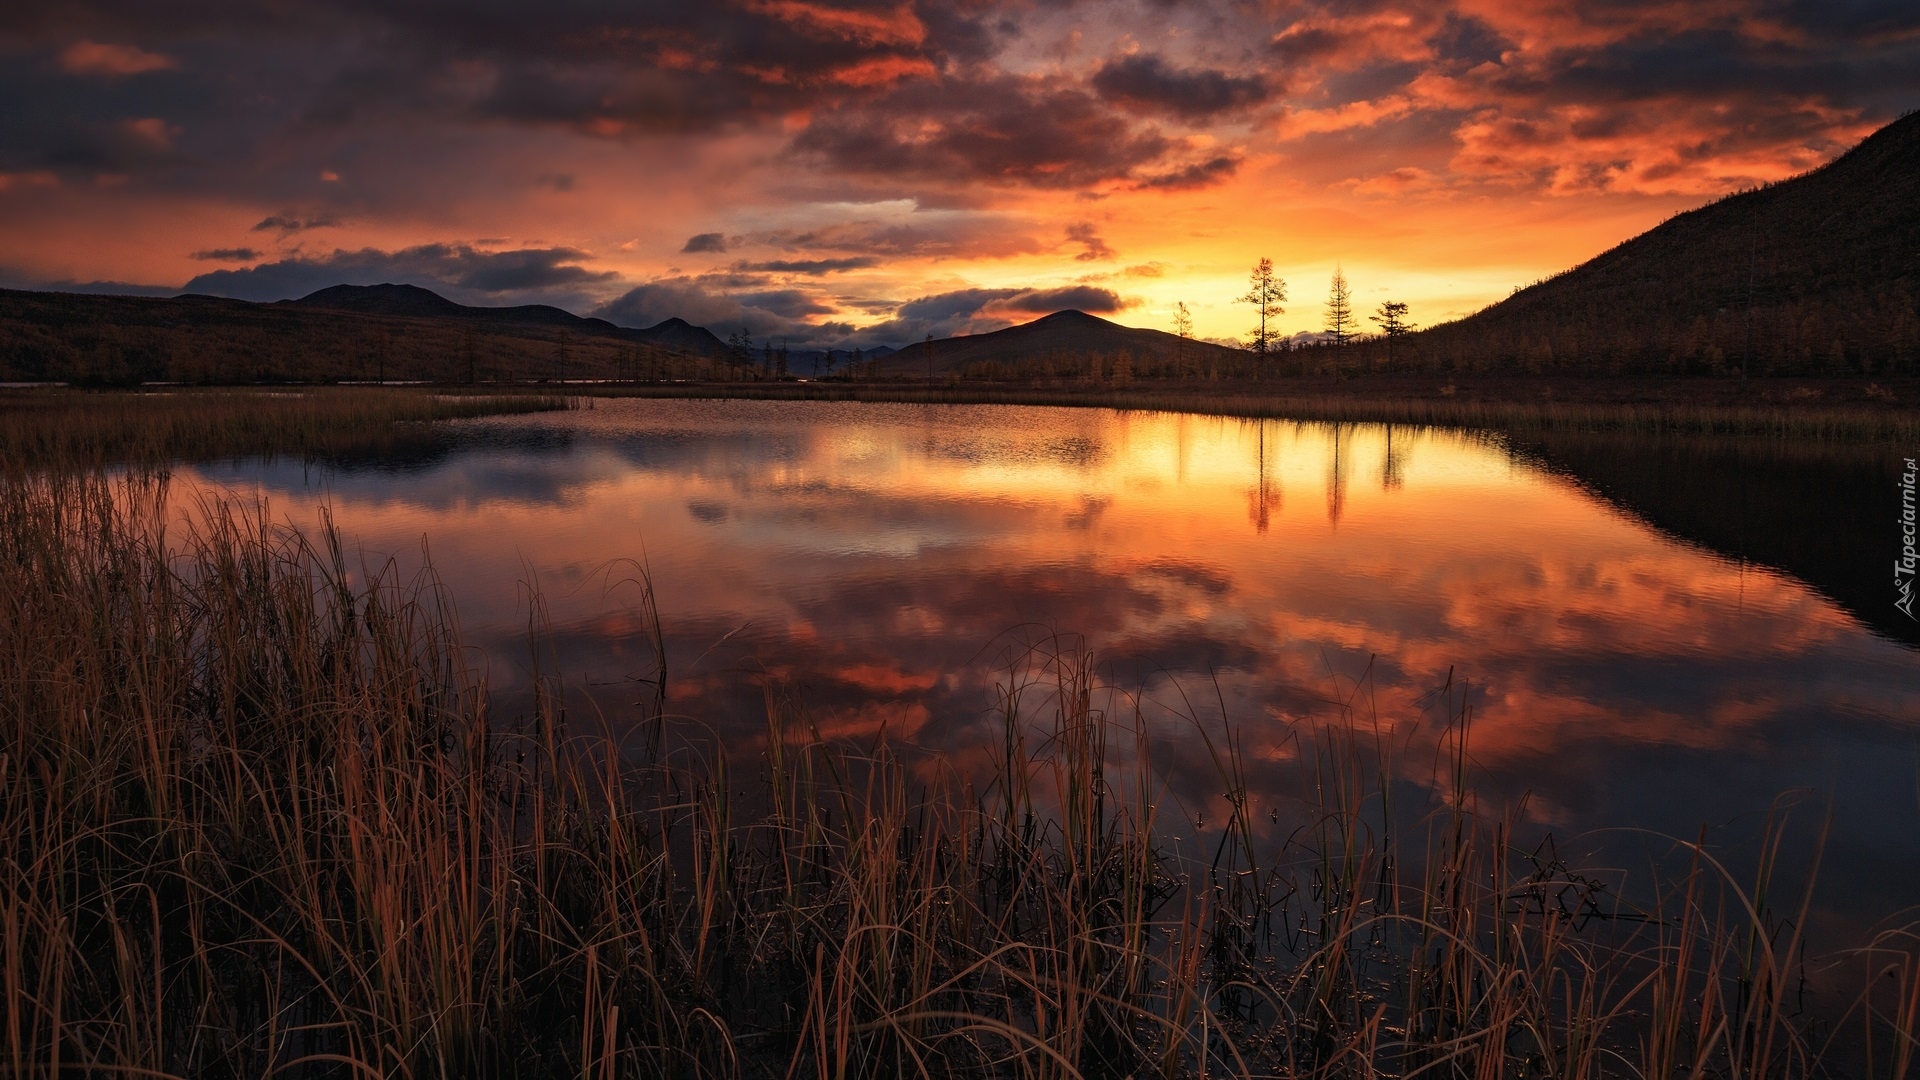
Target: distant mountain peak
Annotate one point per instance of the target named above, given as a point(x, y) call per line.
point(1062, 334)
point(385, 298)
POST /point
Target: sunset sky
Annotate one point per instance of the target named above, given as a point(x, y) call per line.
point(867, 173)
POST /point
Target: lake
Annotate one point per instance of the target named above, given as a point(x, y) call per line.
point(887, 566)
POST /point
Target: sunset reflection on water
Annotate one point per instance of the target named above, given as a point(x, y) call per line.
point(883, 562)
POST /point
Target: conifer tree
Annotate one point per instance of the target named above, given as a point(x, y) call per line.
point(1182, 329)
point(1340, 320)
point(1266, 293)
point(1392, 318)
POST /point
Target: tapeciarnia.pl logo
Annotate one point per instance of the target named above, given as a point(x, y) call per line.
point(1903, 567)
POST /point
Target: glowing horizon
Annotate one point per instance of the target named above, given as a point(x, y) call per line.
point(865, 173)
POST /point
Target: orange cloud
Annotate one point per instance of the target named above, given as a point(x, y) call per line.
point(882, 70)
point(898, 26)
point(1354, 114)
point(1667, 148)
point(111, 61)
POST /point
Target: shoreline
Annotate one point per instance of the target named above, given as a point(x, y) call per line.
point(1846, 410)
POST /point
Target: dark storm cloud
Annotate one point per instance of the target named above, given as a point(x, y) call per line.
point(769, 314)
point(1094, 248)
point(1302, 45)
point(943, 307)
point(702, 242)
point(1199, 175)
point(457, 271)
point(979, 311)
point(101, 146)
point(254, 102)
point(261, 88)
point(1004, 129)
point(786, 303)
point(239, 254)
point(808, 266)
point(289, 223)
point(1086, 298)
point(101, 288)
point(937, 233)
point(1146, 82)
point(1464, 42)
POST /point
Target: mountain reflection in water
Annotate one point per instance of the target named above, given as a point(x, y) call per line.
point(886, 563)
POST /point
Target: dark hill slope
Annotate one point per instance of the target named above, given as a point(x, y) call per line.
point(1829, 263)
point(1059, 344)
point(123, 339)
point(411, 301)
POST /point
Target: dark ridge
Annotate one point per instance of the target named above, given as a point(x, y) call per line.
point(348, 333)
point(1062, 337)
point(412, 301)
point(1817, 275)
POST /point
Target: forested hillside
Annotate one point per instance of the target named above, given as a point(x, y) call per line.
point(1816, 275)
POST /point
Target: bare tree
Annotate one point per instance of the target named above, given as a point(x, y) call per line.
point(1266, 293)
point(1392, 318)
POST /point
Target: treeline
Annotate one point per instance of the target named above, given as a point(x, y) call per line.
point(120, 341)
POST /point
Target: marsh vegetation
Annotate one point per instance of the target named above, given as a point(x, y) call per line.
point(261, 813)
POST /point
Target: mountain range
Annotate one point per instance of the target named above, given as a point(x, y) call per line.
point(1819, 274)
point(414, 302)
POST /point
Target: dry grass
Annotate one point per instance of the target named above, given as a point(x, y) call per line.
point(256, 818)
point(43, 428)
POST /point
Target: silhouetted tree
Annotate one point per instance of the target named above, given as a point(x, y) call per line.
point(1182, 329)
point(1392, 318)
point(1340, 320)
point(1266, 293)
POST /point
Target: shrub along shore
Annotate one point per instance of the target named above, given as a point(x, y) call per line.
point(1835, 410)
point(259, 815)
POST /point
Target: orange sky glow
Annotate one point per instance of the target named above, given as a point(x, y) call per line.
point(868, 172)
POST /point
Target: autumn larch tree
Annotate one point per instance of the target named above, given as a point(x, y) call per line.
point(1266, 293)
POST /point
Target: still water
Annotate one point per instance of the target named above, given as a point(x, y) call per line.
point(886, 563)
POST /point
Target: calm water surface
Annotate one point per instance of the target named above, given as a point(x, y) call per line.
point(885, 562)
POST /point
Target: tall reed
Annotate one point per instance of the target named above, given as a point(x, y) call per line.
point(258, 817)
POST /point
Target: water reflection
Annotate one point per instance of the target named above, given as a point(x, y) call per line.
point(886, 562)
